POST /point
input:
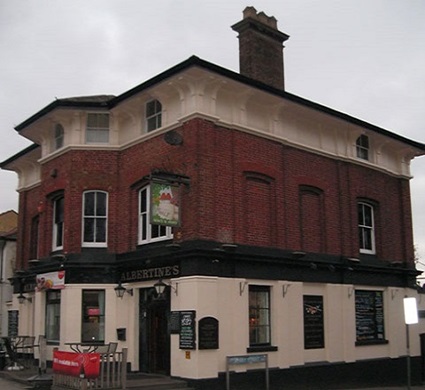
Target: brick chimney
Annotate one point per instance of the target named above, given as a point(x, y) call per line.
point(261, 48)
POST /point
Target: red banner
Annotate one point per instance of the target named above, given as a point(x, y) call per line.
point(84, 365)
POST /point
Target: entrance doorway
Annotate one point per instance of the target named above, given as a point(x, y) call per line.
point(154, 337)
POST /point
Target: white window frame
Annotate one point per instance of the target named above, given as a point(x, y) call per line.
point(97, 128)
point(58, 227)
point(146, 231)
point(94, 244)
point(363, 228)
point(363, 147)
point(155, 117)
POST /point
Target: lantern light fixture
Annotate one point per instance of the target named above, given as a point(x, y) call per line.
point(22, 298)
point(120, 291)
point(160, 287)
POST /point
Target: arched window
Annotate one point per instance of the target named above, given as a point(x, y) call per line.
point(153, 115)
point(260, 213)
point(59, 137)
point(313, 229)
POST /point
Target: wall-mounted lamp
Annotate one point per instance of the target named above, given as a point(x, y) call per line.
point(22, 298)
point(120, 290)
point(350, 291)
point(285, 288)
point(160, 287)
point(242, 286)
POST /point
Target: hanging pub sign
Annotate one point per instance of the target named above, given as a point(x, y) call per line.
point(50, 281)
point(165, 204)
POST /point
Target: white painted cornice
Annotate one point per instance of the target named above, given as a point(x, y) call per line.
point(196, 92)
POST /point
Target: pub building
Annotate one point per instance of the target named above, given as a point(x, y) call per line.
point(208, 214)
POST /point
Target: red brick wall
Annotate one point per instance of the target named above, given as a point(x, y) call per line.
point(244, 189)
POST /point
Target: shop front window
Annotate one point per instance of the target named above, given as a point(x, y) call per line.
point(259, 316)
point(53, 307)
point(93, 316)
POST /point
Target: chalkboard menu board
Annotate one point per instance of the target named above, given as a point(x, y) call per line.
point(187, 329)
point(369, 316)
point(208, 333)
point(13, 321)
point(314, 335)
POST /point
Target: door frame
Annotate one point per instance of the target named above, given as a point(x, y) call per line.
point(154, 335)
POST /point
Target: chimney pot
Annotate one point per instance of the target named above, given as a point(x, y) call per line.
point(249, 12)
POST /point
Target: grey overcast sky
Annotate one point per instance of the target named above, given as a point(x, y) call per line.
point(362, 57)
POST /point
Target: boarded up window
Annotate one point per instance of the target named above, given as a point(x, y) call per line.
point(259, 220)
point(312, 221)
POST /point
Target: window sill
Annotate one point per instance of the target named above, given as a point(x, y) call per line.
point(261, 348)
point(96, 246)
point(370, 342)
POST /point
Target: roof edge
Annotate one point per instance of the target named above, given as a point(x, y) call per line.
point(67, 102)
point(112, 101)
point(3, 164)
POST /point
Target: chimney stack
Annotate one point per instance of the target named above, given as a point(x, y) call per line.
point(261, 48)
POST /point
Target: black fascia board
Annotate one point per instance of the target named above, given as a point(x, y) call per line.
point(23, 152)
point(59, 103)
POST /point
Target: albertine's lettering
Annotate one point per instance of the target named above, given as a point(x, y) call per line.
point(150, 273)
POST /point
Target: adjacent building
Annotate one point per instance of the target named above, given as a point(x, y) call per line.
point(8, 231)
point(277, 226)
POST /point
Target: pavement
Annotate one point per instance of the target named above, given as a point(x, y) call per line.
point(18, 380)
point(6, 384)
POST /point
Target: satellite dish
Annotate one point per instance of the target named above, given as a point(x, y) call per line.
point(173, 138)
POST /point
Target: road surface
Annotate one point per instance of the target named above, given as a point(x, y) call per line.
point(10, 385)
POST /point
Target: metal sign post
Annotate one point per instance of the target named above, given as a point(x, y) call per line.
point(410, 317)
point(247, 359)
